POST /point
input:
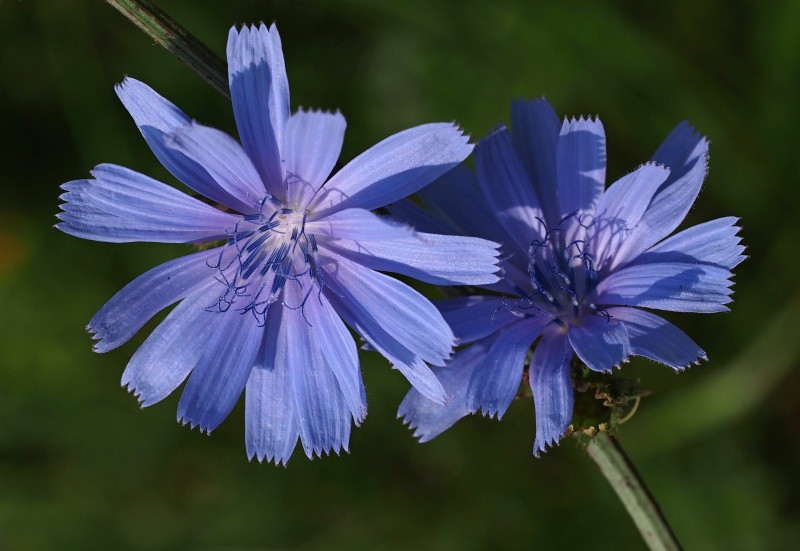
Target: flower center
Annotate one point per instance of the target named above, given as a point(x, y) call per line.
point(561, 273)
point(267, 249)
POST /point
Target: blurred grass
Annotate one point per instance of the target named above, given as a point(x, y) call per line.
point(81, 467)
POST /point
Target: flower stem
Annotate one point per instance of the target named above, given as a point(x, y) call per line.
point(178, 41)
point(621, 474)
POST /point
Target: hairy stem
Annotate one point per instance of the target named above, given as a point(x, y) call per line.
point(178, 41)
point(621, 474)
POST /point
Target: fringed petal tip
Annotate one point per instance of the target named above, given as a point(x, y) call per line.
point(328, 450)
point(488, 412)
point(681, 368)
point(131, 388)
point(126, 82)
point(95, 335)
point(581, 120)
point(419, 433)
point(421, 430)
point(541, 445)
point(204, 428)
point(275, 459)
point(318, 111)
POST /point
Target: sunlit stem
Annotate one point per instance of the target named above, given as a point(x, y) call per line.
point(620, 473)
point(178, 41)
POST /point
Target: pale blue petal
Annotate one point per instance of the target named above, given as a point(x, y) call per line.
point(508, 191)
point(221, 373)
point(580, 165)
point(323, 416)
point(551, 382)
point(475, 317)
point(395, 168)
point(271, 429)
point(156, 118)
point(600, 342)
point(127, 311)
point(715, 242)
point(172, 350)
point(429, 419)
point(361, 318)
point(495, 382)
point(340, 352)
point(225, 161)
point(536, 128)
point(685, 153)
point(403, 313)
point(260, 97)
point(432, 258)
point(668, 286)
point(120, 206)
point(358, 225)
point(620, 209)
point(654, 337)
point(312, 145)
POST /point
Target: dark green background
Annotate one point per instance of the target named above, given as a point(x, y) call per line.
point(81, 467)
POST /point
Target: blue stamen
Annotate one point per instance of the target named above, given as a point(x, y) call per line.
point(266, 257)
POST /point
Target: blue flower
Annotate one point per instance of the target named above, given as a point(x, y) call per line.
point(298, 254)
point(580, 262)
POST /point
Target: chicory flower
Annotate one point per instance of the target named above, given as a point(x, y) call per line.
point(583, 265)
point(297, 256)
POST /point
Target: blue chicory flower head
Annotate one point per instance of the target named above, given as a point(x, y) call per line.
point(580, 263)
point(298, 252)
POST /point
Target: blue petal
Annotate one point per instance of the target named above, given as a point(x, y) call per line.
point(551, 382)
point(715, 242)
point(395, 168)
point(120, 205)
point(323, 416)
point(367, 318)
point(339, 350)
point(221, 373)
point(271, 429)
point(260, 97)
point(225, 161)
point(580, 165)
point(508, 190)
point(403, 313)
point(495, 382)
point(685, 153)
point(536, 128)
point(475, 317)
point(312, 146)
point(358, 225)
point(654, 337)
point(455, 199)
point(432, 258)
point(600, 342)
point(429, 419)
point(127, 311)
point(172, 350)
point(156, 118)
point(671, 286)
point(620, 209)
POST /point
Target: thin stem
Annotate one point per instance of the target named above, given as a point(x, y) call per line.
point(621, 474)
point(178, 41)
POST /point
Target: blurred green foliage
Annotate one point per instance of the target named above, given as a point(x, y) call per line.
point(81, 467)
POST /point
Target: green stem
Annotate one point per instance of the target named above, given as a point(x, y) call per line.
point(178, 41)
point(620, 473)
